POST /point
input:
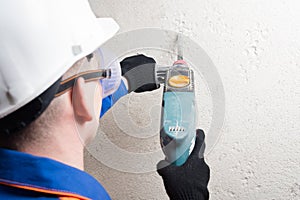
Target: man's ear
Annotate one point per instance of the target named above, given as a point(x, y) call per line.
point(80, 103)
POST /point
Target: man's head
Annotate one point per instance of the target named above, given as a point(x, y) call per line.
point(42, 45)
point(78, 107)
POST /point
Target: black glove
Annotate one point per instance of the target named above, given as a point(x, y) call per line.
point(139, 71)
point(189, 181)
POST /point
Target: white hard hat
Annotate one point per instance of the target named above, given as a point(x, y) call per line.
point(39, 41)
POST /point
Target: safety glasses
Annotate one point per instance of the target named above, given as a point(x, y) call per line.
point(88, 76)
point(100, 65)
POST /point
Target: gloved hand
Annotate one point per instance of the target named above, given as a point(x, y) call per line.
point(189, 181)
point(139, 71)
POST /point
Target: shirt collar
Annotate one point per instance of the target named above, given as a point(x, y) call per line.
point(24, 169)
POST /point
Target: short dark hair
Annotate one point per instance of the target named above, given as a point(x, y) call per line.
point(36, 132)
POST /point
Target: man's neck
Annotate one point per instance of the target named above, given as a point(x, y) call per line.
point(65, 148)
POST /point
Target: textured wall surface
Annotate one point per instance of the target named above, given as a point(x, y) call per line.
point(255, 46)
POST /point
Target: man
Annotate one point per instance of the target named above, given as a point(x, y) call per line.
point(50, 102)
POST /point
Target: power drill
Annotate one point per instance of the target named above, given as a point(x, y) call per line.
point(178, 124)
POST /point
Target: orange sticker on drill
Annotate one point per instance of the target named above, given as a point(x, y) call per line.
point(179, 81)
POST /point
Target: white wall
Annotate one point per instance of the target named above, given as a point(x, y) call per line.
point(255, 46)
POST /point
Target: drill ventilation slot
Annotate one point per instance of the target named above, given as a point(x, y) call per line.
point(176, 128)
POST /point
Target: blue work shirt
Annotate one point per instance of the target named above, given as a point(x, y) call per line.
point(24, 176)
point(110, 100)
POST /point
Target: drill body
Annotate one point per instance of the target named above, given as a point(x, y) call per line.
point(177, 133)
